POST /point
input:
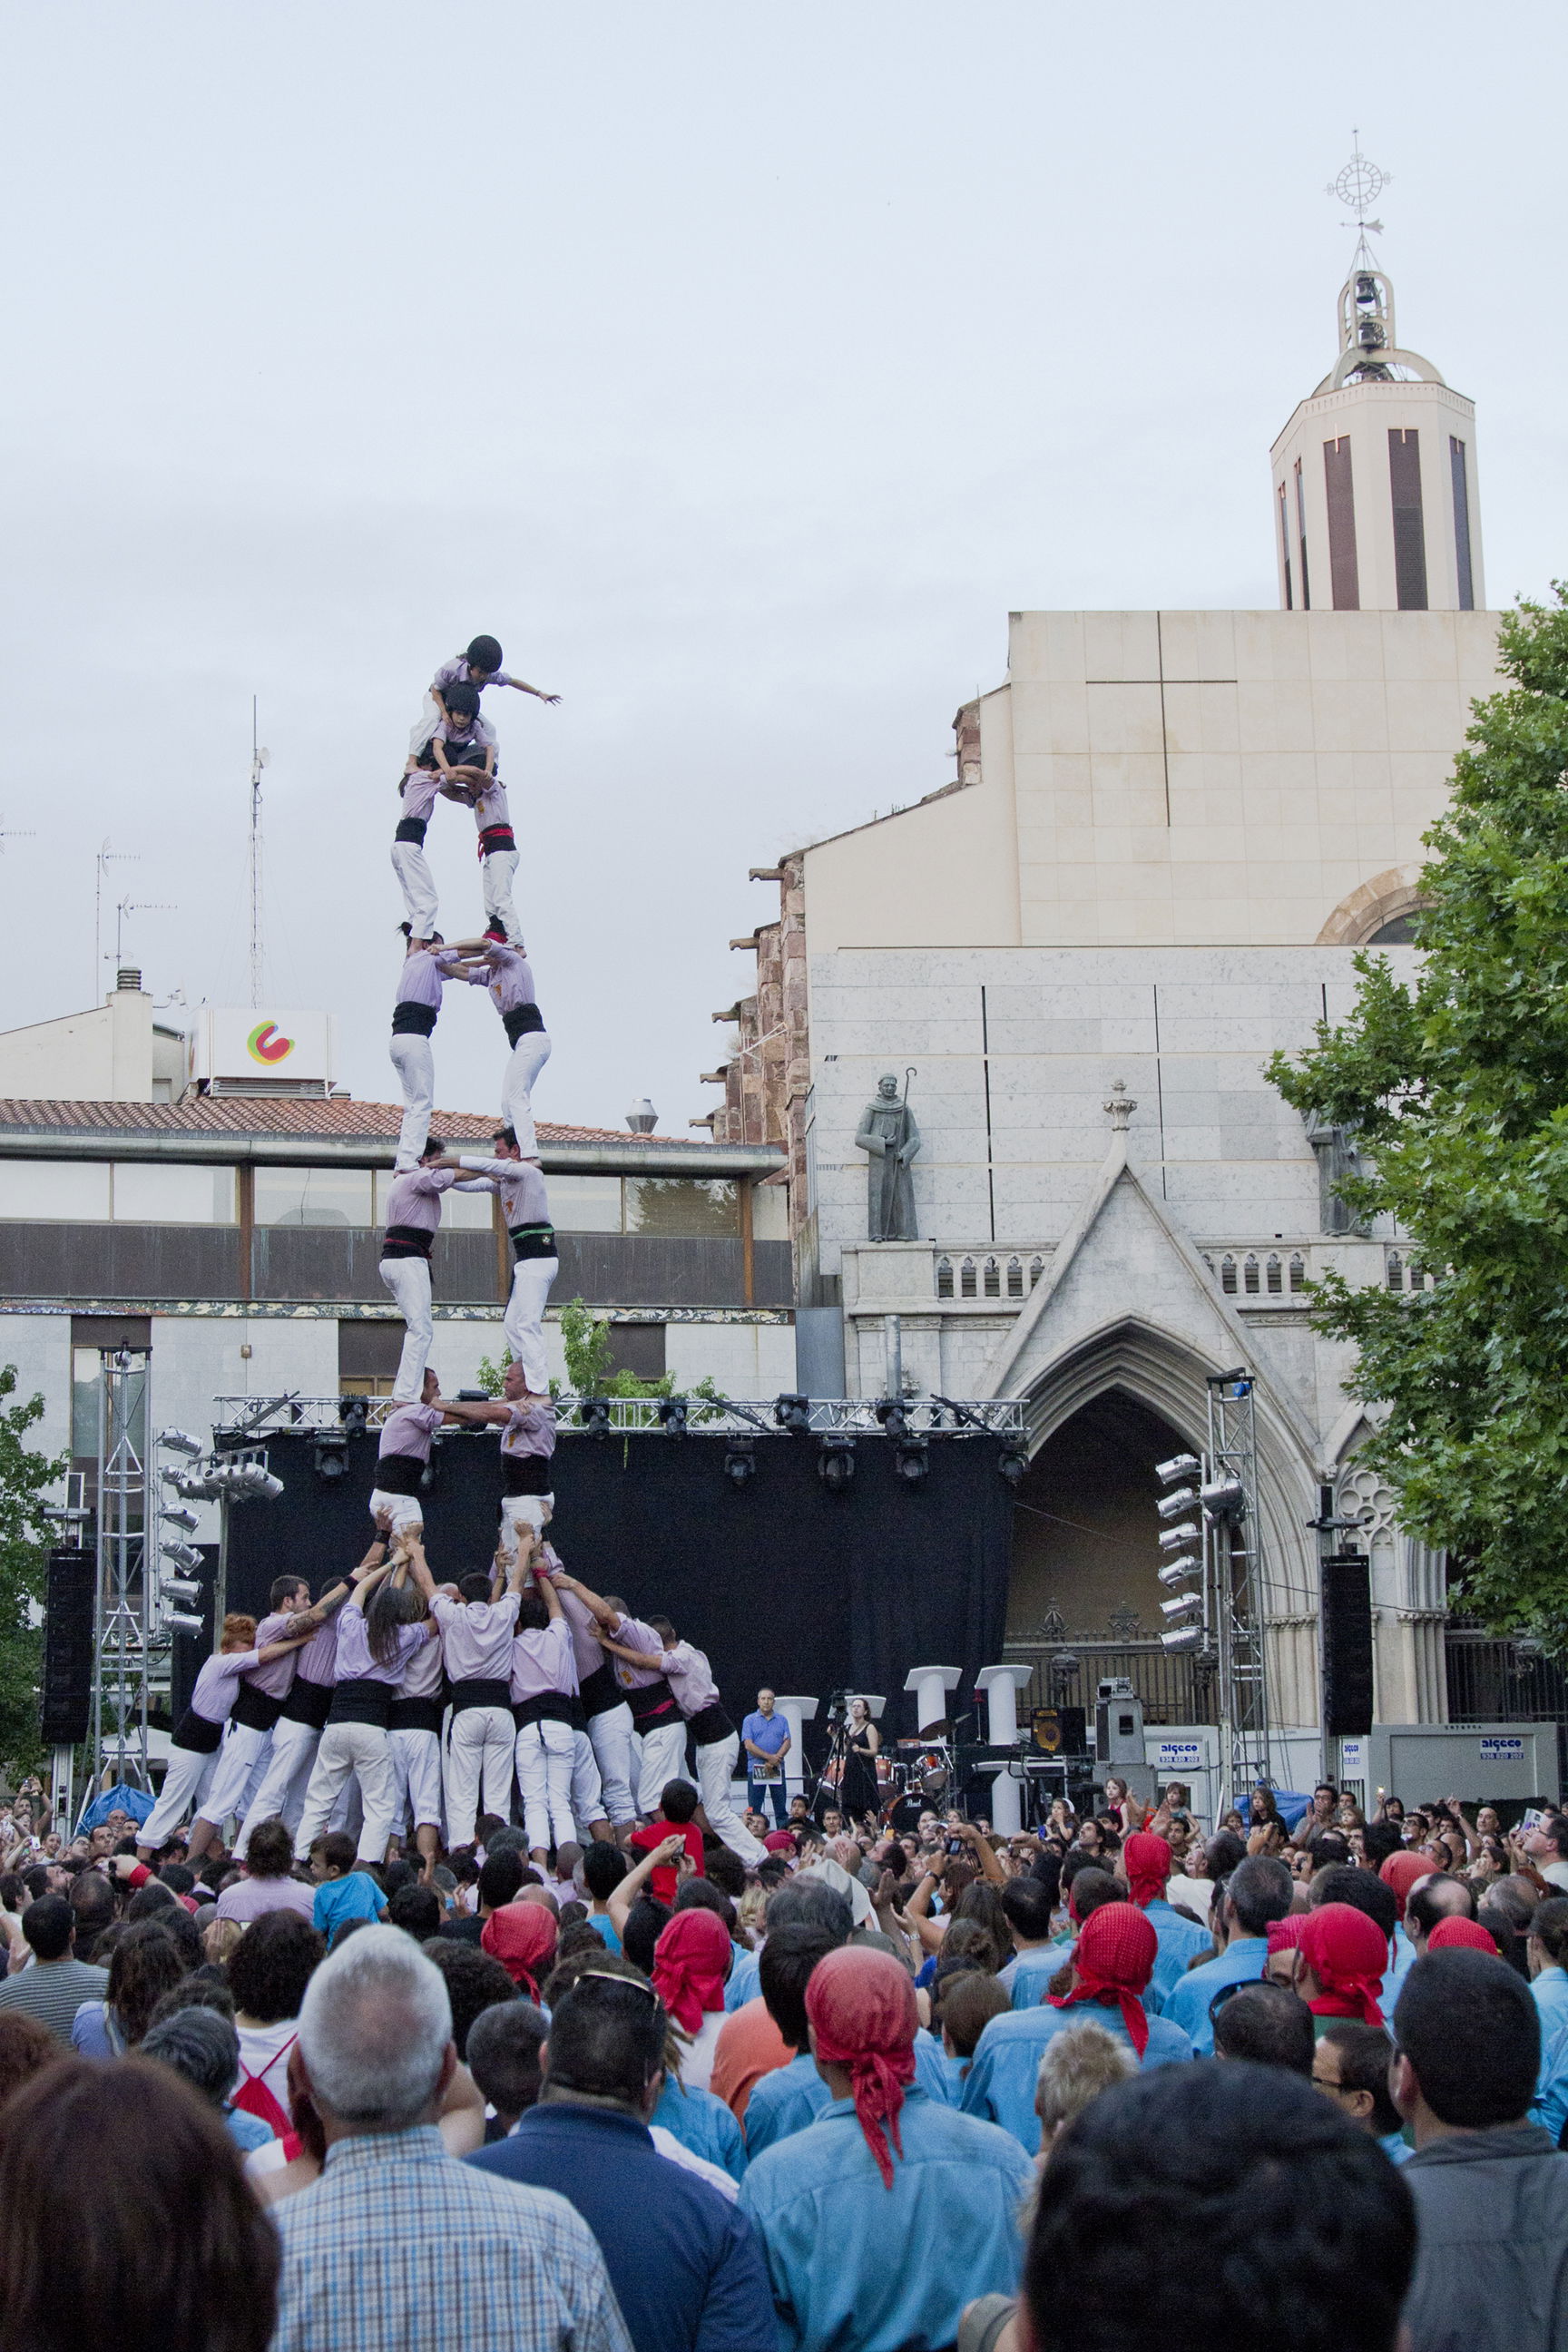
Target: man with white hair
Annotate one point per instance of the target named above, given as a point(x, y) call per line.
point(371, 2252)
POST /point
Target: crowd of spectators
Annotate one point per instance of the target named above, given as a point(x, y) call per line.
point(937, 2090)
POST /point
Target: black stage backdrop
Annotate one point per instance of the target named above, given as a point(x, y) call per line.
point(780, 1581)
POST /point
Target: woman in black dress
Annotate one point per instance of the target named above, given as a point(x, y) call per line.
point(859, 1793)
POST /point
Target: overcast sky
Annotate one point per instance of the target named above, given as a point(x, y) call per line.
point(739, 367)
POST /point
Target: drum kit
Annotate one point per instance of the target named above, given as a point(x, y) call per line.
point(924, 1766)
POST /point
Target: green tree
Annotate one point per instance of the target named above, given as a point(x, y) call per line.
point(586, 1344)
point(24, 1479)
point(1458, 1088)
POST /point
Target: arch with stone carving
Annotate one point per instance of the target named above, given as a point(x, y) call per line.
point(1409, 1584)
point(1387, 898)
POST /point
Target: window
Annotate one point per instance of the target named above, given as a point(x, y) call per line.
point(639, 1348)
point(966, 1282)
point(1015, 1278)
point(461, 1211)
point(1297, 1271)
point(315, 1196)
point(1284, 547)
point(585, 1204)
point(1456, 468)
point(90, 1335)
point(992, 1279)
point(1227, 1276)
point(368, 1350)
point(770, 1212)
point(1409, 525)
point(58, 1192)
point(1344, 572)
point(150, 1192)
point(683, 1207)
point(945, 1278)
point(1249, 1274)
point(1302, 536)
point(1394, 1270)
point(1036, 1267)
point(1274, 1276)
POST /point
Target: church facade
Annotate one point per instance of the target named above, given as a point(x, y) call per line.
point(1168, 835)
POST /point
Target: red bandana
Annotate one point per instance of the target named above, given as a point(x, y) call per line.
point(862, 2010)
point(1347, 1953)
point(690, 1962)
point(522, 1936)
point(1469, 1933)
point(1148, 1861)
point(1114, 1961)
point(1402, 1871)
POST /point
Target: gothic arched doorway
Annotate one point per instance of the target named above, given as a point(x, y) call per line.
point(1086, 1535)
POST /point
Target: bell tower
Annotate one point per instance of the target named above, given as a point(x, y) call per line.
point(1375, 506)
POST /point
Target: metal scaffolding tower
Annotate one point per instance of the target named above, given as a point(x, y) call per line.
point(1235, 1547)
point(121, 1644)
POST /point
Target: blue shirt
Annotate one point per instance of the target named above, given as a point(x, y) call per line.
point(1181, 1942)
point(1550, 1993)
point(931, 2066)
point(600, 1924)
point(247, 2132)
point(1000, 2085)
point(686, 2264)
point(783, 2103)
point(857, 2267)
point(1551, 2104)
point(1395, 2146)
point(768, 1732)
point(1026, 1977)
point(700, 2121)
point(742, 1983)
point(1187, 2004)
point(1399, 1968)
point(357, 1896)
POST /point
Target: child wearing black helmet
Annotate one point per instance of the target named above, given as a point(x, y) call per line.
point(478, 666)
point(459, 760)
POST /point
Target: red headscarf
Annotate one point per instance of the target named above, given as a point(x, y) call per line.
point(1285, 1935)
point(1116, 1955)
point(862, 2010)
point(1347, 1952)
point(1401, 1871)
point(1469, 1933)
point(522, 1937)
point(1147, 1859)
point(689, 1961)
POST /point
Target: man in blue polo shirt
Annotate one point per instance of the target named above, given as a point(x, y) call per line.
point(764, 1737)
point(686, 2264)
point(1258, 1894)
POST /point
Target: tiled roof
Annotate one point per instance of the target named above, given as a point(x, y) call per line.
point(286, 1115)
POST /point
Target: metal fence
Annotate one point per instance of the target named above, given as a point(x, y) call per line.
point(1173, 1687)
point(1493, 1679)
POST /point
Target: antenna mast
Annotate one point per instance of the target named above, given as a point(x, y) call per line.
point(258, 759)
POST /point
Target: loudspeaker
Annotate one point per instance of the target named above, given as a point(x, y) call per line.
point(1118, 1723)
point(1347, 1646)
point(65, 1695)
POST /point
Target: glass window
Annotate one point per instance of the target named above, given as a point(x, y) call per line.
point(585, 1204)
point(770, 1212)
point(461, 1213)
point(59, 1191)
point(681, 1206)
point(314, 1196)
point(147, 1192)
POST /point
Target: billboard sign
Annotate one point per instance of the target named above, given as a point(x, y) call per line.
point(236, 1044)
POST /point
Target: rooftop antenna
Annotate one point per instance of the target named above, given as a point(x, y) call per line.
point(106, 856)
point(134, 906)
point(259, 756)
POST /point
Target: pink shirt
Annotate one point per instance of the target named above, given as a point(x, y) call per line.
point(585, 1647)
point(456, 672)
point(529, 1429)
point(636, 1636)
point(254, 1897)
point(476, 1636)
point(419, 981)
point(541, 1660)
point(689, 1677)
point(415, 1198)
point(217, 1685)
point(523, 1199)
point(408, 1429)
point(355, 1663)
point(318, 1661)
point(425, 1672)
point(275, 1679)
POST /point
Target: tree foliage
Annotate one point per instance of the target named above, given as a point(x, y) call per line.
point(1458, 1088)
point(25, 1477)
point(586, 1344)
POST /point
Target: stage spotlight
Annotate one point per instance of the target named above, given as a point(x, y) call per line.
point(1183, 1499)
point(740, 1460)
point(179, 1587)
point(354, 1414)
point(179, 1440)
point(253, 1481)
point(911, 1459)
point(183, 1556)
point(1013, 1465)
point(893, 1415)
point(1179, 1466)
point(672, 1415)
point(177, 1621)
point(184, 1518)
point(1173, 1570)
point(329, 1453)
point(595, 1415)
point(836, 1464)
point(1182, 1608)
point(1172, 1538)
point(1185, 1637)
point(1223, 1498)
point(178, 1480)
point(794, 1413)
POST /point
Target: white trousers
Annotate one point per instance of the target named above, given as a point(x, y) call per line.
point(413, 1059)
point(416, 1778)
point(280, 1793)
point(408, 1280)
point(524, 1063)
point(534, 1511)
point(479, 1768)
point(364, 1751)
point(610, 1737)
point(715, 1771)
point(496, 873)
point(412, 868)
point(663, 1758)
point(403, 1511)
point(186, 1783)
point(524, 1320)
point(545, 1777)
point(241, 1764)
point(587, 1796)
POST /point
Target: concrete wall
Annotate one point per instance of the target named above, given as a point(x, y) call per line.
point(102, 1055)
point(1364, 415)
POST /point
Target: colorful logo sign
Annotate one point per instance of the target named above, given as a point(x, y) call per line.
point(265, 1045)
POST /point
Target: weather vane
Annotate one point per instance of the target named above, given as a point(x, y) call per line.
point(1359, 185)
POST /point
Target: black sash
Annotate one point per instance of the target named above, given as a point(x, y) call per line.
point(411, 1019)
point(309, 1703)
point(600, 1691)
point(494, 837)
point(411, 828)
point(548, 1707)
point(521, 1021)
point(399, 1474)
point(710, 1724)
point(194, 1732)
point(416, 1715)
point(531, 1241)
point(480, 1692)
point(526, 1474)
point(362, 1702)
point(255, 1709)
point(406, 1241)
point(651, 1705)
